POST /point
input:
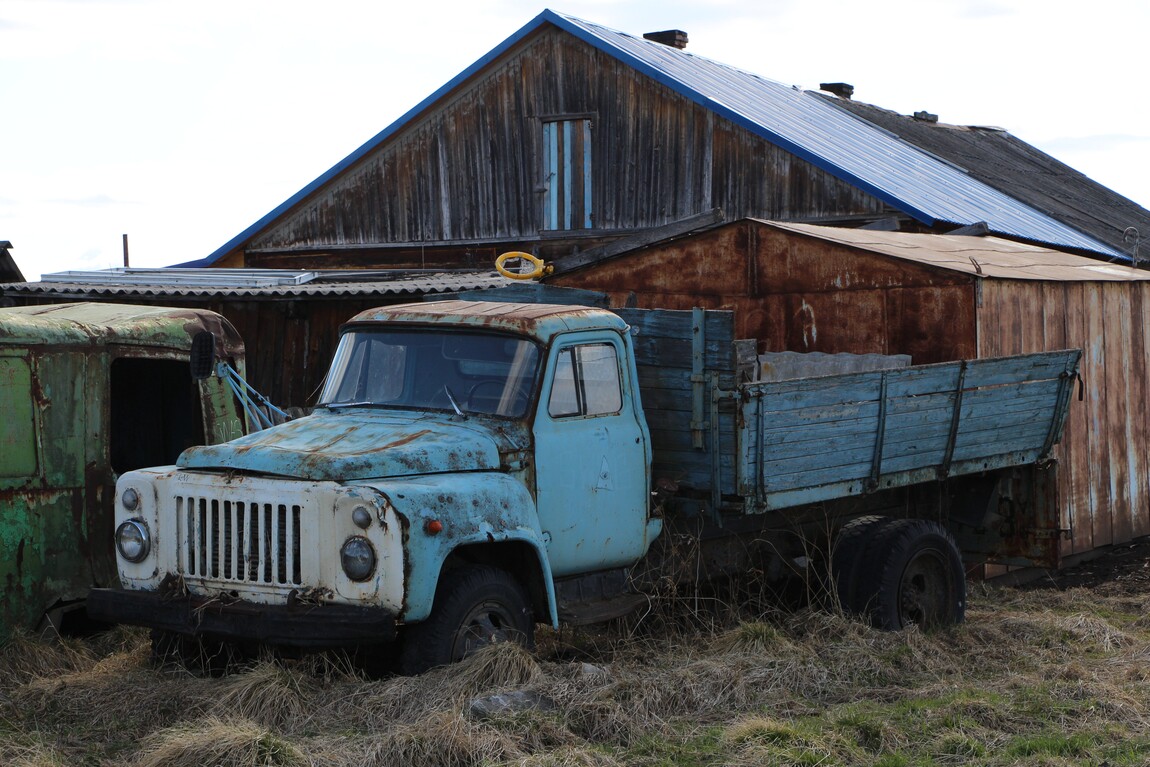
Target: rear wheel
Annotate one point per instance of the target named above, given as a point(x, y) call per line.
point(847, 557)
point(474, 606)
point(910, 573)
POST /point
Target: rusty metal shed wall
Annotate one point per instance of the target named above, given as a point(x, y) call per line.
point(807, 288)
point(799, 293)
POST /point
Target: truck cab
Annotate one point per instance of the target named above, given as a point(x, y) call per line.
point(90, 392)
point(464, 460)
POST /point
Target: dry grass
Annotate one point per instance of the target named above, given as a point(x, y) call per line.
point(213, 741)
point(1032, 678)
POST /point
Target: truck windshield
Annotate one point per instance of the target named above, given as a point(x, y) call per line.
point(432, 370)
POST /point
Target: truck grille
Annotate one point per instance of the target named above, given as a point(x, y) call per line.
point(239, 541)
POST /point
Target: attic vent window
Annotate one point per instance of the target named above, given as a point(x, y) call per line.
point(567, 174)
point(676, 38)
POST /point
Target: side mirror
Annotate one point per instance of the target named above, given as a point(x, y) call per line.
point(203, 355)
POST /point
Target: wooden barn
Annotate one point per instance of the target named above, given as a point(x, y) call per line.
point(569, 135)
point(938, 298)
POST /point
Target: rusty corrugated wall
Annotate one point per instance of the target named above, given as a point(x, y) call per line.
point(796, 293)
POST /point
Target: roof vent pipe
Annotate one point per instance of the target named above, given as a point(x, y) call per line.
point(842, 90)
point(676, 38)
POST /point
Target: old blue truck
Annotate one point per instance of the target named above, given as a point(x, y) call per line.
point(474, 467)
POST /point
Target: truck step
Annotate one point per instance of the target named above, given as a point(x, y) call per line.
point(600, 610)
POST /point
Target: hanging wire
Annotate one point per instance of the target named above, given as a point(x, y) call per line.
point(1132, 238)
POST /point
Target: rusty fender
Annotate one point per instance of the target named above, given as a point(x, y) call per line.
point(447, 512)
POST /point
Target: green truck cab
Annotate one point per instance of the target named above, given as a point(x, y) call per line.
point(89, 392)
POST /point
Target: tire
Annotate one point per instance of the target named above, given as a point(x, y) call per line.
point(911, 573)
point(847, 556)
point(474, 607)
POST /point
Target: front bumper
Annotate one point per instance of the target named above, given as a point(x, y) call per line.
point(296, 625)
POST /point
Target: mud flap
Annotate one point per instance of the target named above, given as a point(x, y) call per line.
point(1014, 521)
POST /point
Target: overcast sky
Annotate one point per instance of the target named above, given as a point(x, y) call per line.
point(182, 123)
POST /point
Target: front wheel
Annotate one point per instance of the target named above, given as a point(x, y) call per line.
point(474, 606)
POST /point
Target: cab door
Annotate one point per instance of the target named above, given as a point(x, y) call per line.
point(592, 456)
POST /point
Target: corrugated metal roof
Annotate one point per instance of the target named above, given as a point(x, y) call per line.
point(835, 140)
point(991, 257)
point(214, 278)
point(322, 284)
point(801, 122)
point(1005, 162)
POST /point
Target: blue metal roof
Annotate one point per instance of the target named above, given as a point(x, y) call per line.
point(864, 155)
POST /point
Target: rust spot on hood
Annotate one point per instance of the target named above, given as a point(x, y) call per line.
point(403, 441)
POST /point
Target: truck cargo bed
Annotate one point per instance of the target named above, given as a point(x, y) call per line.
point(815, 439)
point(772, 445)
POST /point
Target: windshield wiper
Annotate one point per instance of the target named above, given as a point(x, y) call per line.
point(338, 405)
point(451, 398)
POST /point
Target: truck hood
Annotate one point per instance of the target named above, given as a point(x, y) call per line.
point(357, 444)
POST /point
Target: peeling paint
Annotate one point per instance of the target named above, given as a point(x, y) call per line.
point(81, 370)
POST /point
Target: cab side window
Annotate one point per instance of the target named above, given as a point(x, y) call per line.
point(586, 382)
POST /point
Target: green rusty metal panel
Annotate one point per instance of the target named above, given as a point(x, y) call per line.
point(45, 527)
point(56, 472)
point(17, 426)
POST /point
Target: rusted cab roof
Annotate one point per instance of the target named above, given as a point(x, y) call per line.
point(92, 324)
point(541, 321)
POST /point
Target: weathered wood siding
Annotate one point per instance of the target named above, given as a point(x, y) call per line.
point(471, 169)
point(815, 439)
point(1105, 454)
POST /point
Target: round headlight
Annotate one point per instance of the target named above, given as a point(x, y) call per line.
point(358, 558)
point(130, 499)
point(132, 540)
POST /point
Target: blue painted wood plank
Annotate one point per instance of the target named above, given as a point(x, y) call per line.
point(818, 436)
